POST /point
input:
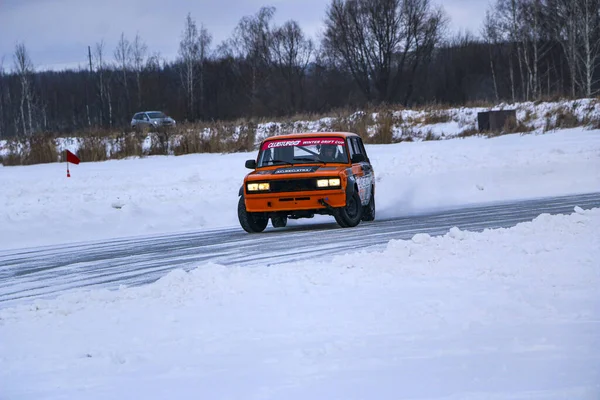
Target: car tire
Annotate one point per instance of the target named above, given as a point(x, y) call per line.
point(369, 209)
point(350, 216)
point(251, 222)
point(279, 221)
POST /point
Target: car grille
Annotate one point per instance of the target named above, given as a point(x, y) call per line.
point(293, 185)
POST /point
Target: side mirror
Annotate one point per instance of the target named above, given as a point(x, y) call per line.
point(356, 158)
point(251, 164)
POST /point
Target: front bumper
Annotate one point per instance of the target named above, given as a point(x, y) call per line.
point(294, 201)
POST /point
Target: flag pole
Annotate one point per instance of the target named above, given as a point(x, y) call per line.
point(67, 158)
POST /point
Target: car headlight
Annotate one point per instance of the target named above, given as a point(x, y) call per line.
point(331, 182)
point(255, 187)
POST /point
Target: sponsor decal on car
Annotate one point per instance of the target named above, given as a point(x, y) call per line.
point(364, 188)
point(295, 170)
point(302, 142)
point(282, 143)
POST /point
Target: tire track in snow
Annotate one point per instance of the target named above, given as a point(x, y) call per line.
point(27, 274)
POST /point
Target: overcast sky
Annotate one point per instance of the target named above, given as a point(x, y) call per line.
point(57, 32)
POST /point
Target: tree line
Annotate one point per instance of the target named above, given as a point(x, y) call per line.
point(372, 52)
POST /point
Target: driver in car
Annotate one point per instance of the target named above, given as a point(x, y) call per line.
point(329, 153)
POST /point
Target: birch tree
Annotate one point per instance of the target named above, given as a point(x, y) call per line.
point(507, 12)
point(491, 35)
point(123, 57)
point(2, 97)
point(535, 36)
point(139, 52)
point(561, 19)
point(193, 49)
point(204, 41)
point(588, 49)
point(103, 84)
point(24, 69)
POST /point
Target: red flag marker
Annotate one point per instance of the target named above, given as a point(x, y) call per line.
point(71, 158)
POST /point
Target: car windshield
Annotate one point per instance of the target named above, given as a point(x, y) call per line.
point(302, 151)
point(155, 115)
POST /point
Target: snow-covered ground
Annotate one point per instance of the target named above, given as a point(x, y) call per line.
point(538, 116)
point(40, 205)
point(503, 314)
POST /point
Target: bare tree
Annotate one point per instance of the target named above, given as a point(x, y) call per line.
point(139, 51)
point(561, 20)
point(428, 25)
point(103, 84)
point(204, 41)
point(1, 96)
point(524, 25)
point(24, 69)
point(529, 44)
point(533, 26)
point(532, 37)
point(98, 61)
point(123, 57)
point(491, 36)
point(292, 52)
point(154, 62)
point(346, 40)
point(252, 36)
point(193, 52)
point(588, 51)
point(382, 42)
point(508, 13)
point(189, 52)
point(252, 42)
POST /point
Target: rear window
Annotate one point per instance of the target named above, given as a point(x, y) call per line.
point(154, 115)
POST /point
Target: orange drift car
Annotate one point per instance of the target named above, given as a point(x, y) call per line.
point(303, 174)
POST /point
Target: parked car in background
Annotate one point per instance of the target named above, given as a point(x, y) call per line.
point(151, 119)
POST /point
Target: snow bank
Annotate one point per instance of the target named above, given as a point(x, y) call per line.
point(503, 314)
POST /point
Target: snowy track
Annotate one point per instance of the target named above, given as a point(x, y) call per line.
point(41, 272)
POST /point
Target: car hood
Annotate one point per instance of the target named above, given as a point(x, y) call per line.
point(297, 171)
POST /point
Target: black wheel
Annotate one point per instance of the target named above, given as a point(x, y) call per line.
point(279, 221)
point(369, 209)
point(349, 216)
point(341, 222)
point(251, 222)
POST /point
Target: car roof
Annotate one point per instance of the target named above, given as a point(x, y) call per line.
point(313, 134)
